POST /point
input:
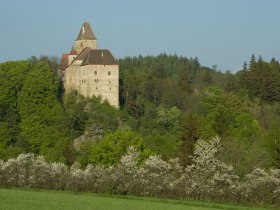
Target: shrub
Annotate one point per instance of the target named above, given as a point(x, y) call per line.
point(206, 178)
point(262, 186)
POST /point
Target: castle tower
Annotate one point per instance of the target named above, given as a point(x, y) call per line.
point(86, 38)
point(90, 71)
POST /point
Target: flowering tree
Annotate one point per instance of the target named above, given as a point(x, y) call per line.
point(211, 177)
point(206, 178)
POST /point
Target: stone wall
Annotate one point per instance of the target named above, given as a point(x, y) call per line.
point(71, 58)
point(98, 80)
point(81, 44)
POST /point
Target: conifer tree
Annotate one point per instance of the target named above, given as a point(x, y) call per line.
point(188, 135)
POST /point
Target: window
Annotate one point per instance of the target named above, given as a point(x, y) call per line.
point(96, 88)
point(95, 72)
point(110, 82)
point(109, 73)
point(110, 88)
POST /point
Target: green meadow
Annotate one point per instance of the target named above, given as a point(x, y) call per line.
point(44, 199)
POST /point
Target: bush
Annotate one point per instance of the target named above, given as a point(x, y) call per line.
point(262, 186)
point(206, 178)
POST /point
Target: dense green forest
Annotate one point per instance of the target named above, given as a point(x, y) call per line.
point(168, 102)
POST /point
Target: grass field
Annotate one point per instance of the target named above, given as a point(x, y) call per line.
point(43, 199)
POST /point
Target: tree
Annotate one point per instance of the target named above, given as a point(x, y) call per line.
point(8, 147)
point(273, 145)
point(131, 86)
point(253, 60)
point(102, 114)
point(223, 109)
point(207, 78)
point(262, 81)
point(245, 66)
point(84, 152)
point(12, 77)
point(169, 119)
point(184, 82)
point(231, 82)
point(189, 134)
point(42, 117)
point(74, 105)
point(222, 120)
point(246, 128)
point(154, 89)
point(114, 145)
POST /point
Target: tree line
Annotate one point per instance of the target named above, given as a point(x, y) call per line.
point(168, 103)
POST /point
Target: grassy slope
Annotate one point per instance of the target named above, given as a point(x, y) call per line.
point(42, 199)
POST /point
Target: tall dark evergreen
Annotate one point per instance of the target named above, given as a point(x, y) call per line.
point(188, 136)
point(262, 81)
point(245, 66)
point(253, 60)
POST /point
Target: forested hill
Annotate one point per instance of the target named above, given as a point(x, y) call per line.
point(167, 103)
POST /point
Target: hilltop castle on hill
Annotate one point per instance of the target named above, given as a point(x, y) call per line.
point(89, 70)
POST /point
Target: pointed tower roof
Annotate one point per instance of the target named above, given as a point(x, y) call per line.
point(73, 51)
point(86, 33)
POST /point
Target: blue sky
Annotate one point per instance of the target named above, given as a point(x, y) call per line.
point(219, 32)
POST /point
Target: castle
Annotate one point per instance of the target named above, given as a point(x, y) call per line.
point(89, 70)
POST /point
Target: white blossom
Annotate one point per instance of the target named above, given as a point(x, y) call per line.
point(207, 178)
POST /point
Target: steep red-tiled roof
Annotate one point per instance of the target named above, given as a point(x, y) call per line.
point(63, 62)
point(72, 52)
